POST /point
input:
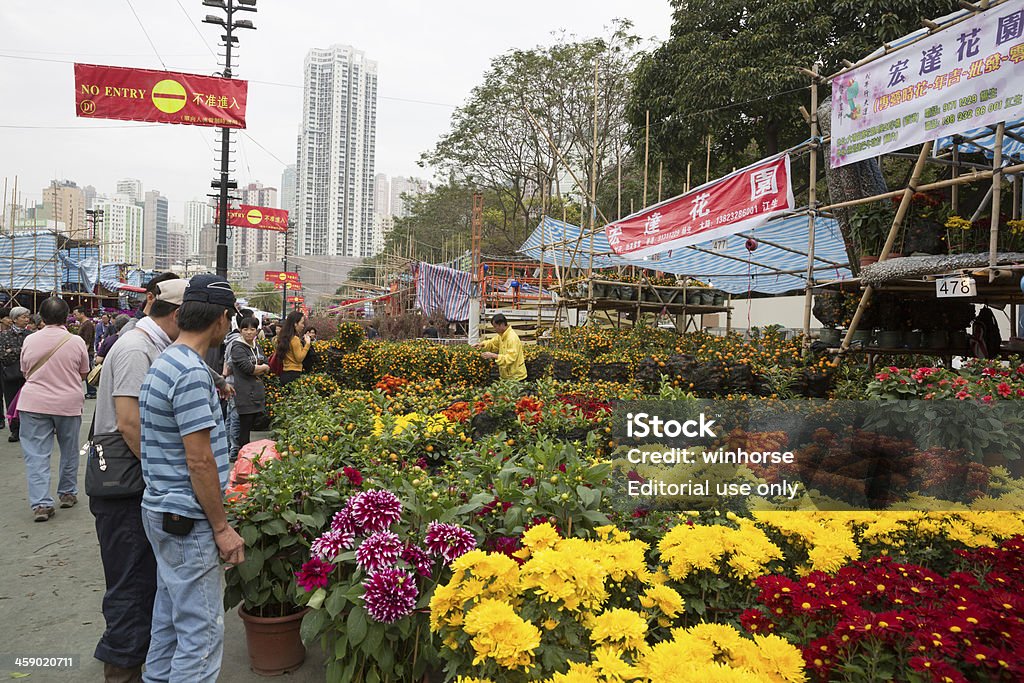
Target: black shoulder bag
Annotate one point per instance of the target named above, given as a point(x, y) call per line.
point(111, 469)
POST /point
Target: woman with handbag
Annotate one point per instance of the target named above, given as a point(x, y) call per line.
point(10, 360)
point(248, 365)
point(292, 346)
point(54, 363)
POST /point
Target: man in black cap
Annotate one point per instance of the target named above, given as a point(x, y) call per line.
point(185, 466)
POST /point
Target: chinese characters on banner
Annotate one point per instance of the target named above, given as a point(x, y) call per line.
point(260, 217)
point(966, 76)
point(113, 92)
point(741, 201)
point(282, 279)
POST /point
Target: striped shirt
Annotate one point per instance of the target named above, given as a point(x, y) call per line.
point(177, 399)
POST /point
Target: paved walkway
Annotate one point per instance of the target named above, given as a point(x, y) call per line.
point(51, 587)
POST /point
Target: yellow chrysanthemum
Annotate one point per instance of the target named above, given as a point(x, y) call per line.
point(620, 626)
point(607, 661)
point(577, 673)
point(666, 599)
point(501, 634)
point(540, 537)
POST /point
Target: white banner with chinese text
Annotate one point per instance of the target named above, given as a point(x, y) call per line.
point(963, 77)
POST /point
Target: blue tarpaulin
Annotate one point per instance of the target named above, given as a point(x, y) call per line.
point(30, 261)
point(778, 264)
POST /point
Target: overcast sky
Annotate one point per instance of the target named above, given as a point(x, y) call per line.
point(427, 53)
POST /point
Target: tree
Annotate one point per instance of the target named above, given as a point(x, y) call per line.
point(728, 69)
point(494, 146)
point(265, 297)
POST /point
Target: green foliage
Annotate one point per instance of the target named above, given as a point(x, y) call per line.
point(493, 145)
point(265, 297)
point(728, 70)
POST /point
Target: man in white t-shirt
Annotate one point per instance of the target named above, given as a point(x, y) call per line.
point(129, 565)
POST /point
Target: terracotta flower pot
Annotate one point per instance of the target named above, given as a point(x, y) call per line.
point(868, 260)
point(275, 646)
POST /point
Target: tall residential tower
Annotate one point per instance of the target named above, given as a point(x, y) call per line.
point(335, 172)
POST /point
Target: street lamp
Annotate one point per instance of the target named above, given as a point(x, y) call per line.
point(223, 184)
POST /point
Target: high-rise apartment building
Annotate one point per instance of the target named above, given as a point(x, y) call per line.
point(337, 138)
point(197, 215)
point(381, 195)
point(64, 202)
point(177, 243)
point(121, 230)
point(288, 190)
point(154, 234)
point(249, 244)
point(402, 189)
point(131, 188)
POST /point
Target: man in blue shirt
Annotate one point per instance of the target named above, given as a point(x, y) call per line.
point(185, 466)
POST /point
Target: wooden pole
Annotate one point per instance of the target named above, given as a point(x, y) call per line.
point(689, 165)
point(593, 183)
point(812, 200)
point(707, 165)
point(901, 213)
point(647, 151)
point(954, 204)
point(1015, 212)
point(619, 188)
point(661, 167)
point(997, 183)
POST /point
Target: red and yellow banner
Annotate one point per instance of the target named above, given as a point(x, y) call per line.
point(260, 217)
point(283, 278)
point(114, 92)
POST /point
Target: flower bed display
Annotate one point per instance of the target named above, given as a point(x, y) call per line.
point(441, 526)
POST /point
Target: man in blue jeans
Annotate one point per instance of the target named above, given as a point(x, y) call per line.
point(185, 466)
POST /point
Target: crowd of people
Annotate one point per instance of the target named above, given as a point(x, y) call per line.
point(179, 389)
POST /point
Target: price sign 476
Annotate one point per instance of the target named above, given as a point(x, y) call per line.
point(956, 286)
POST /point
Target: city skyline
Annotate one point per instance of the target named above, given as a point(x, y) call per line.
point(46, 141)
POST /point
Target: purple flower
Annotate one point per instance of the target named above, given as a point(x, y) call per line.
point(450, 541)
point(342, 521)
point(506, 545)
point(331, 543)
point(374, 510)
point(418, 559)
point(313, 574)
point(390, 595)
point(378, 551)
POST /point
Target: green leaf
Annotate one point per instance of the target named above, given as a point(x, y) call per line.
point(374, 636)
point(317, 598)
point(356, 625)
point(386, 658)
point(249, 534)
point(312, 624)
point(335, 603)
point(253, 565)
point(275, 527)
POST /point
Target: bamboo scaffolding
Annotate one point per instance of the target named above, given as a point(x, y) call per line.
point(997, 162)
point(812, 200)
point(897, 222)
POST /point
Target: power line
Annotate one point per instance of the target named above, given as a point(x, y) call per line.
point(256, 142)
point(201, 36)
point(144, 31)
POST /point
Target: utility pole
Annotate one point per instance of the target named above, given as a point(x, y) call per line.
point(284, 268)
point(223, 184)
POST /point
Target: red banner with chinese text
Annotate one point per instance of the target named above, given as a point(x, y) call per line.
point(260, 217)
point(114, 92)
point(282, 278)
point(740, 201)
